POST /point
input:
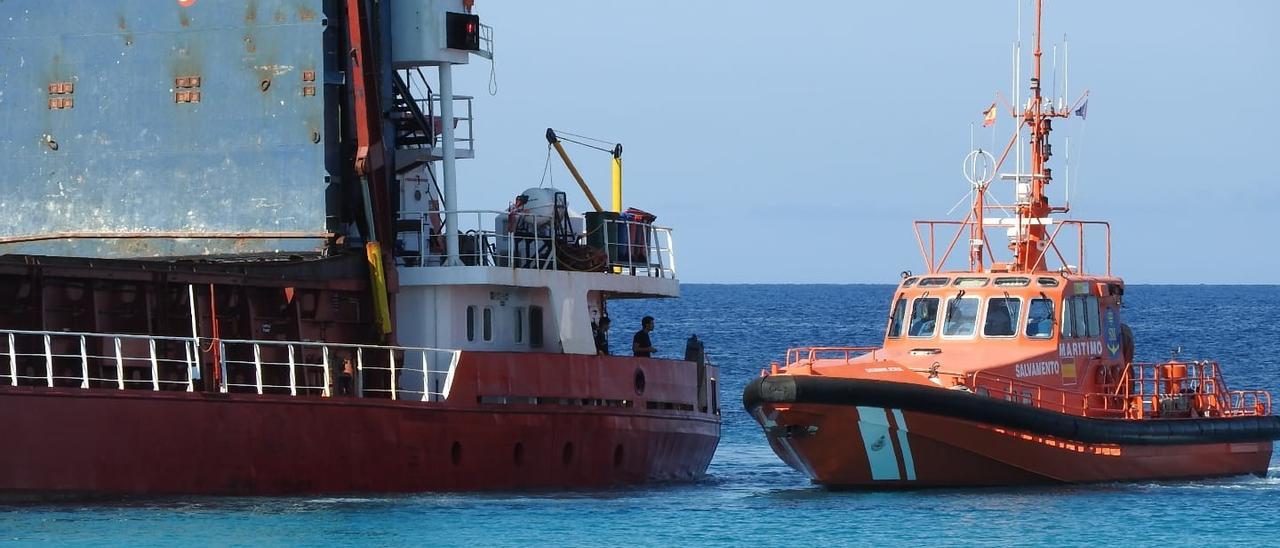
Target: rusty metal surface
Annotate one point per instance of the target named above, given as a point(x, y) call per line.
point(137, 117)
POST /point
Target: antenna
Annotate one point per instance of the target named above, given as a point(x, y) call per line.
point(1067, 182)
point(1053, 89)
point(1066, 68)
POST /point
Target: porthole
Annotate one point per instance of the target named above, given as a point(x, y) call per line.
point(639, 380)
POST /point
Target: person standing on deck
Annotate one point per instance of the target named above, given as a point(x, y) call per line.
point(602, 336)
point(641, 346)
point(345, 385)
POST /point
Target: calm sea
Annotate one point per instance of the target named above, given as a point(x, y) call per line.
point(749, 497)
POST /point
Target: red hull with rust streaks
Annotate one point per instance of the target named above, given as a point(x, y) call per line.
point(70, 441)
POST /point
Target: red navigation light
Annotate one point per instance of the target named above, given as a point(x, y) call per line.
point(462, 31)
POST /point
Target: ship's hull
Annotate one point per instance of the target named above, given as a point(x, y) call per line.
point(887, 448)
point(892, 446)
point(75, 442)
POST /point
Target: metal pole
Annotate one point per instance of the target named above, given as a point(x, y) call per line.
point(13, 362)
point(358, 382)
point(257, 365)
point(194, 361)
point(48, 360)
point(190, 350)
point(328, 376)
point(391, 355)
point(449, 158)
point(119, 365)
point(84, 363)
point(293, 375)
point(220, 368)
point(155, 366)
point(617, 180)
point(426, 378)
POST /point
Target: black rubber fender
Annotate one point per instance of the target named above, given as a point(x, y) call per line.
point(963, 405)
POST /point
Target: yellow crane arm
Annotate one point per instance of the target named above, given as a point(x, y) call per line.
point(555, 142)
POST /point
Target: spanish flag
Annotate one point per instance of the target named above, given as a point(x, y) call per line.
point(989, 115)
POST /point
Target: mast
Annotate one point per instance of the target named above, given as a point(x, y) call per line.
point(1035, 207)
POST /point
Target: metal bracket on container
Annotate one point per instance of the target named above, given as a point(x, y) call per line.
point(60, 95)
point(188, 89)
point(308, 87)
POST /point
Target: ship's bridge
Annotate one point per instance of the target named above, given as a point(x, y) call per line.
point(534, 279)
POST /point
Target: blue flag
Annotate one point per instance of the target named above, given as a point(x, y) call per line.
point(1083, 110)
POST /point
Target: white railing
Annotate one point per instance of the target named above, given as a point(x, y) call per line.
point(313, 368)
point(35, 358)
point(464, 138)
point(497, 238)
point(120, 361)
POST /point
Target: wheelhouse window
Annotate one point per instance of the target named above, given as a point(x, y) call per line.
point(909, 282)
point(1047, 282)
point(518, 332)
point(471, 323)
point(924, 317)
point(1002, 317)
point(1091, 315)
point(1040, 319)
point(1013, 282)
point(895, 319)
point(962, 317)
point(488, 323)
point(934, 282)
point(1081, 317)
point(971, 282)
point(535, 326)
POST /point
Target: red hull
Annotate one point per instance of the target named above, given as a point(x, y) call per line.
point(74, 441)
point(885, 449)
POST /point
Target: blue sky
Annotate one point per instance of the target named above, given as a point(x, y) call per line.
point(797, 141)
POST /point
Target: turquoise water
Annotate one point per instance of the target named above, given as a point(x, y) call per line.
point(749, 497)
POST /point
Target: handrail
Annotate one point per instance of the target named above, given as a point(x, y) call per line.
point(935, 265)
point(1142, 392)
point(295, 368)
point(43, 353)
point(807, 355)
point(530, 241)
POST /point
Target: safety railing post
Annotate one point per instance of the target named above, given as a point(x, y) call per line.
point(48, 360)
point(671, 250)
point(84, 363)
point(13, 361)
point(119, 365)
point(293, 375)
point(359, 380)
point(257, 365)
point(191, 363)
point(225, 383)
point(155, 366)
point(551, 263)
point(391, 366)
point(426, 377)
point(328, 376)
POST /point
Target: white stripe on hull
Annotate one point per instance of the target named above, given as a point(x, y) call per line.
point(873, 424)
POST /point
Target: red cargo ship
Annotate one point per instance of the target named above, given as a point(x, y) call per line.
point(1008, 372)
point(229, 268)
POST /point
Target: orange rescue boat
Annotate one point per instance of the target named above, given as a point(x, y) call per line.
point(1008, 372)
